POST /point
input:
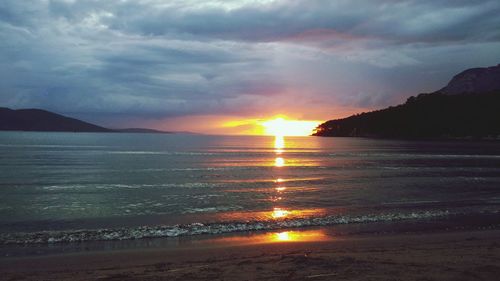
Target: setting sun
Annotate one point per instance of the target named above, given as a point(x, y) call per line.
point(282, 127)
point(279, 126)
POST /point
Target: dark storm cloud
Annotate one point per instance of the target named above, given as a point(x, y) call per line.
point(400, 21)
point(171, 58)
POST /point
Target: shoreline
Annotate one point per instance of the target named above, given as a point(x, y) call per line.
point(444, 255)
point(169, 235)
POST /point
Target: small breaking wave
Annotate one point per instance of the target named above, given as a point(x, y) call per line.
point(160, 231)
point(414, 155)
point(129, 186)
point(162, 153)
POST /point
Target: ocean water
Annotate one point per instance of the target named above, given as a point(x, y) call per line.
point(72, 187)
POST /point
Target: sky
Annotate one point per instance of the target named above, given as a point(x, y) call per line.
point(221, 66)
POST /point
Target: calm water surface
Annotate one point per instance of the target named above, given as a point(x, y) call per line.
point(86, 186)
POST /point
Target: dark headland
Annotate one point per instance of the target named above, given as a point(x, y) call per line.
point(468, 107)
point(46, 121)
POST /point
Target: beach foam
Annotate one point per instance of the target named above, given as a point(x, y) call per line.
point(159, 231)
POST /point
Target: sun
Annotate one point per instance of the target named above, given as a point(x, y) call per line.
point(282, 127)
point(279, 126)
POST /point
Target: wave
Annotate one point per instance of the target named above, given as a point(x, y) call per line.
point(130, 186)
point(159, 231)
point(414, 155)
point(161, 153)
point(52, 145)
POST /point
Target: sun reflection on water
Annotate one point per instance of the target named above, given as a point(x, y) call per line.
point(275, 199)
point(279, 213)
point(279, 162)
point(279, 148)
point(280, 209)
point(283, 236)
point(298, 236)
point(279, 237)
point(279, 144)
point(275, 214)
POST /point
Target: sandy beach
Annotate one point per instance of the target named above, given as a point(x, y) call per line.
point(459, 255)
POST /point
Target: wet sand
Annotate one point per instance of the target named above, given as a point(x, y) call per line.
point(460, 255)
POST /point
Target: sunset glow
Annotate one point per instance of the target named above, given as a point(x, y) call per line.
point(282, 127)
point(279, 126)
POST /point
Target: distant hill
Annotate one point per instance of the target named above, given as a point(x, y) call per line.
point(46, 121)
point(468, 107)
point(42, 120)
point(141, 130)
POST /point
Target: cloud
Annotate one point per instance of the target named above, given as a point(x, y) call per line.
point(152, 60)
point(398, 21)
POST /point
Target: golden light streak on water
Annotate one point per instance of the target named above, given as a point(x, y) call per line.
point(279, 162)
point(279, 237)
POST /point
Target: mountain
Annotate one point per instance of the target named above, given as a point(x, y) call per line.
point(46, 121)
point(474, 80)
point(42, 120)
point(468, 107)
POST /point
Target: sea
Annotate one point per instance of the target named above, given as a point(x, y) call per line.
point(64, 188)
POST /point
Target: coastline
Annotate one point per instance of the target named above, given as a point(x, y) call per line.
point(443, 255)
